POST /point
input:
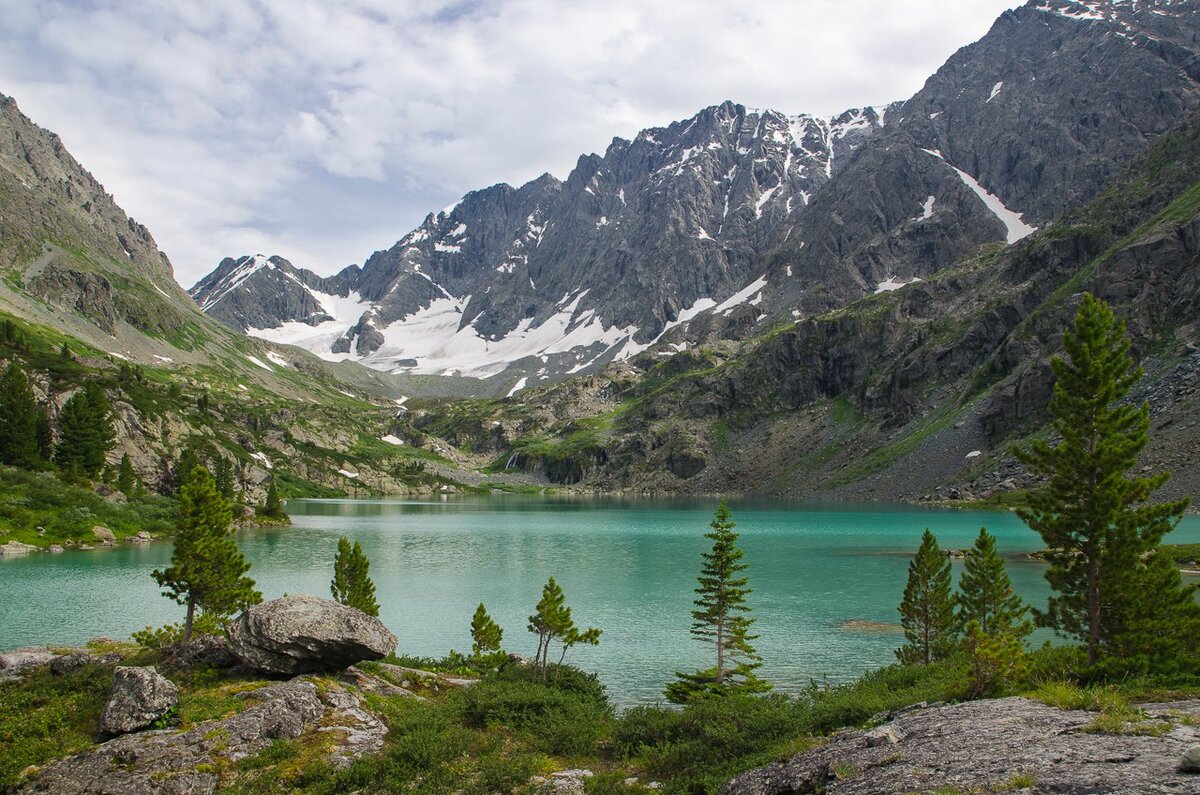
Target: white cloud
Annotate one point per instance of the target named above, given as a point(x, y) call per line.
point(323, 130)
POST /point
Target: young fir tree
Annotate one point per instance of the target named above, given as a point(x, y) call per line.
point(273, 507)
point(1090, 513)
point(183, 469)
point(486, 634)
point(126, 479)
point(86, 432)
point(720, 620)
point(552, 620)
point(351, 584)
point(45, 434)
point(18, 419)
point(223, 473)
point(927, 611)
point(207, 569)
point(1157, 629)
point(985, 593)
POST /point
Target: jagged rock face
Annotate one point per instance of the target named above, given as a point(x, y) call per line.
point(594, 267)
point(46, 194)
point(743, 217)
point(301, 634)
point(1033, 120)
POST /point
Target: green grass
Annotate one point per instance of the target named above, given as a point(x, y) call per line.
point(68, 512)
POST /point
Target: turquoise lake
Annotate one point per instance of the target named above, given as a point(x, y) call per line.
point(627, 566)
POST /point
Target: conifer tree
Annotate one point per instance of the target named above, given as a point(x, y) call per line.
point(720, 620)
point(985, 592)
point(351, 584)
point(45, 435)
point(1158, 628)
point(223, 473)
point(486, 634)
point(86, 432)
point(1090, 513)
point(273, 507)
point(18, 419)
point(126, 479)
point(207, 569)
point(552, 620)
point(927, 611)
point(183, 469)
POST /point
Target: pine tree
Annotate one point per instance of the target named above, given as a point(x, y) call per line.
point(86, 432)
point(1092, 516)
point(720, 620)
point(223, 473)
point(18, 419)
point(985, 593)
point(45, 435)
point(126, 479)
point(927, 611)
point(1157, 630)
point(273, 507)
point(552, 620)
point(184, 467)
point(486, 634)
point(351, 584)
point(207, 569)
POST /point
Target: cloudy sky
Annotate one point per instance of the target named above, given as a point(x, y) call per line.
point(324, 130)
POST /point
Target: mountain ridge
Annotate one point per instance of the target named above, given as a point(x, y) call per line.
point(801, 214)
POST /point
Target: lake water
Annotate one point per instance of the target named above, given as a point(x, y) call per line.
point(627, 566)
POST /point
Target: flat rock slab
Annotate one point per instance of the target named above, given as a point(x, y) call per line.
point(189, 762)
point(305, 634)
point(986, 746)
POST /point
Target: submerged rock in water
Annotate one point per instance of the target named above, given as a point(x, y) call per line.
point(139, 696)
point(302, 634)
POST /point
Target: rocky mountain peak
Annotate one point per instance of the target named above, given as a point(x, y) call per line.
point(738, 217)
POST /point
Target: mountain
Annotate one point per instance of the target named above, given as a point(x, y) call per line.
point(739, 219)
point(87, 296)
point(913, 394)
point(557, 269)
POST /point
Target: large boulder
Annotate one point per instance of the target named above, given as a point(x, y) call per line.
point(303, 634)
point(138, 697)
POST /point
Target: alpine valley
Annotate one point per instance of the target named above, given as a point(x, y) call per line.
point(748, 300)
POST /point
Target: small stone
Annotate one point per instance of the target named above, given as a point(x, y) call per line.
point(139, 696)
point(56, 549)
point(1191, 760)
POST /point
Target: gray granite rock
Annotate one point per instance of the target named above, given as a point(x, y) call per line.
point(989, 745)
point(301, 633)
point(138, 697)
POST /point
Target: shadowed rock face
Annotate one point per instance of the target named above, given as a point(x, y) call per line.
point(1002, 744)
point(302, 634)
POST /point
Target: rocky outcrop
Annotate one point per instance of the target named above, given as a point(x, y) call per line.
point(301, 633)
point(14, 548)
point(189, 763)
point(139, 696)
point(995, 745)
point(70, 662)
point(15, 663)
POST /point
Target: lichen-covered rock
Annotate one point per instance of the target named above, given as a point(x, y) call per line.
point(190, 762)
point(988, 746)
point(302, 634)
point(1191, 760)
point(15, 663)
point(210, 650)
point(139, 696)
point(67, 663)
